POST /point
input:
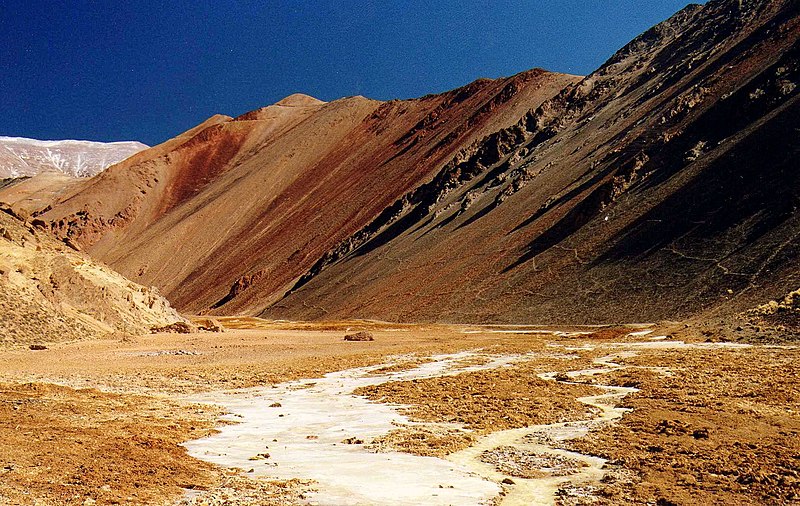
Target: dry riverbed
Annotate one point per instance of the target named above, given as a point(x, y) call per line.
point(713, 422)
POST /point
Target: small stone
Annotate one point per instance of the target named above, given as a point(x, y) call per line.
point(562, 376)
point(507, 481)
point(275, 405)
point(360, 336)
point(37, 347)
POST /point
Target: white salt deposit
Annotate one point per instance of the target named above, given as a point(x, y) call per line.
point(304, 438)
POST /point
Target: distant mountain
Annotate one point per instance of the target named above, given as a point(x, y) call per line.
point(663, 184)
point(27, 157)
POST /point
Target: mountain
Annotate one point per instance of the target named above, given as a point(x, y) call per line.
point(662, 185)
point(20, 157)
point(229, 215)
point(50, 292)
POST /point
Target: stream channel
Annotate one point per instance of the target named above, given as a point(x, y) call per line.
point(298, 430)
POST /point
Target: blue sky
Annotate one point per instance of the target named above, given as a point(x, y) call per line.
point(148, 70)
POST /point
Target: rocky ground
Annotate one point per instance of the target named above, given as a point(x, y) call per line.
point(51, 291)
point(718, 425)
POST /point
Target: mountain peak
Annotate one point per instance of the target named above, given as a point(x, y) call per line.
point(299, 100)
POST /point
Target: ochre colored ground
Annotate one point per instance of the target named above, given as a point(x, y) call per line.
point(719, 425)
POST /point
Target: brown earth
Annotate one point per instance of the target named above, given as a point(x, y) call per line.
point(723, 429)
point(744, 400)
point(64, 446)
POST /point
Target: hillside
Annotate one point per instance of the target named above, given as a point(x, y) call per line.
point(50, 292)
point(660, 186)
point(229, 215)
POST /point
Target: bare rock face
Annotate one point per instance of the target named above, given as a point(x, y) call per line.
point(360, 336)
point(50, 292)
point(21, 157)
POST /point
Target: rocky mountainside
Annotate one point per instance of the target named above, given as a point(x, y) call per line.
point(51, 292)
point(229, 215)
point(21, 157)
point(662, 185)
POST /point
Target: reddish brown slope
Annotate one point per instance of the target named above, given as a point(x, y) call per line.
point(229, 216)
point(663, 184)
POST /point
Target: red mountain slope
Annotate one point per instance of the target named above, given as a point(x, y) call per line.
point(229, 215)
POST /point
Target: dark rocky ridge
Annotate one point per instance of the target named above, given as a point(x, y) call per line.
point(662, 185)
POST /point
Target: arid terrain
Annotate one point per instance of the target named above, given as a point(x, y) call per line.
point(537, 197)
point(535, 289)
point(711, 422)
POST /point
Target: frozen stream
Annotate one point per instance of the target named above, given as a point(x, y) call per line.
point(303, 438)
point(298, 430)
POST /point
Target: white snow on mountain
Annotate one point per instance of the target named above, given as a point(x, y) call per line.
point(27, 157)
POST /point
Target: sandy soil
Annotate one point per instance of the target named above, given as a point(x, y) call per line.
point(716, 424)
point(64, 446)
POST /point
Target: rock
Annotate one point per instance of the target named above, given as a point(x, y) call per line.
point(72, 244)
point(208, 325)
point(173, 328)
point(360, 336)
point(275, 405)
point(37, 347)
point(507, 481)
point(353, 441)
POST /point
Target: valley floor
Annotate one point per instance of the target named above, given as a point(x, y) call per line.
point(589, 415)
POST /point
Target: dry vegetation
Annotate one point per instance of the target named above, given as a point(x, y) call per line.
point(64, 446)
point(486, 400)
point(707, 424)
point(723, 429)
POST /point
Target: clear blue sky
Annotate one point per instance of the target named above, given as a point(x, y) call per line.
point(148, 70)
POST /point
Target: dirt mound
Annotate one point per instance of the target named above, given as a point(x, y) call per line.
point(50, 292)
